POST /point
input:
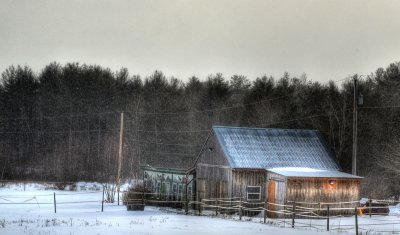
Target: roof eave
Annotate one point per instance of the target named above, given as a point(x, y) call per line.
point(248, 169)
point(323, 177)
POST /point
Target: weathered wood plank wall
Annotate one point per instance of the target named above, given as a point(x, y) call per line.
point(248, 177)
point(323, 190)
point(317, 190)
point(213, 173)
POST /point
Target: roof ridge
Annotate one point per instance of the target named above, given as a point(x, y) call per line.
point(263, 128)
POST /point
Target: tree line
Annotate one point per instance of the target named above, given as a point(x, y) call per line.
point(62, 123)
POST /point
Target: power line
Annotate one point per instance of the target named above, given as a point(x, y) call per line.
point(340, 80)
point(364, 122)
point(380, 107)
point(169, 131)
point(166, 131)
point(103, 131)
point(319, 115)
point(148, 142)
point(57, 132)
point(165, 153)
point(144, 113)
point(209, 110)
point(292, 120)
point(348, 78)
point(179, 131)
point(60, 116)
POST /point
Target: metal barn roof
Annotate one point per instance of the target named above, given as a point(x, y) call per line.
point(266, 148)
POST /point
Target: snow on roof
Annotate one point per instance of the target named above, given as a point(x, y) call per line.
point(266, 148)
point(304, 172)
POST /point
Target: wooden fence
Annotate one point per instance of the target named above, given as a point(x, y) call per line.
point(318, 216)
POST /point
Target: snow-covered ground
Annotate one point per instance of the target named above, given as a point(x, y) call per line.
point(79, 212)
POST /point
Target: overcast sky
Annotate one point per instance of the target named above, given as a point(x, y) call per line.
point(327, 40)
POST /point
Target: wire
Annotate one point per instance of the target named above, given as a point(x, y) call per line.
point(380, 107)
point(59, 116)
point(292, 120)
point(164, 153)
point(209, 110)
point(58, 132)
point(146, 113)
point(169, 131)
point(148, 142)
point(166, 131)
point(340, 80)
point(104, 131)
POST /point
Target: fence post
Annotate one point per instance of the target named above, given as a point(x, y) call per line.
point(356, 219)
point(319, 208)
point(102, 201)
point(240, 209)
point(216, 208)
point(187, 199)
point(143, 195)
point(118, 196)
point(370, 209)
point(199, 205)
point(186, 206)
point(327, 219)
point(265, 212)
point(293, 213)
point(55, 204)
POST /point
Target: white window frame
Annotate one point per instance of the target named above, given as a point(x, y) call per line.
point(259, 193)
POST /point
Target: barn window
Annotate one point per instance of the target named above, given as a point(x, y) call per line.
point(253, 192)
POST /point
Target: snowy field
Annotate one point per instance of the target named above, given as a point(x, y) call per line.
point(36, 216)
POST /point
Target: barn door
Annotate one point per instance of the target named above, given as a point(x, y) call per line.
point(271, 189)
point(275, 195)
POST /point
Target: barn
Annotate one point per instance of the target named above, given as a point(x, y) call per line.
point(270, 165)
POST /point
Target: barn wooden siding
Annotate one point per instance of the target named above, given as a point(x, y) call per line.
point(316, 190)
point(213, 173)
point(248, 177)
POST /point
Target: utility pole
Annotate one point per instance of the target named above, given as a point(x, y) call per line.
point(358, 100)
point(121, 134)
point(354, 157)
